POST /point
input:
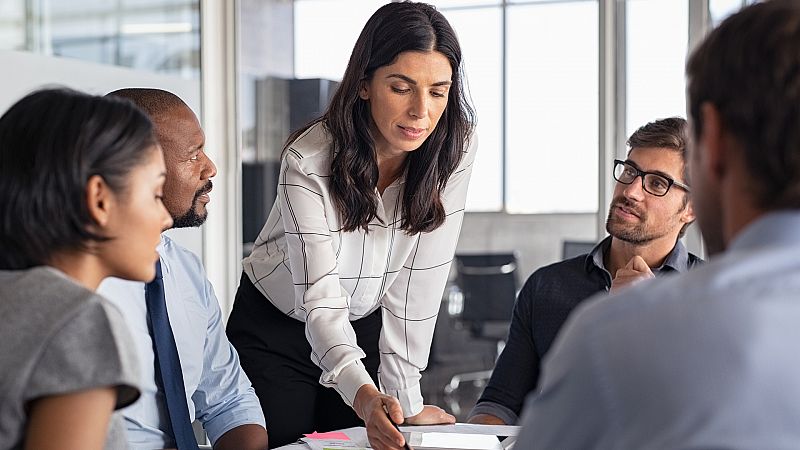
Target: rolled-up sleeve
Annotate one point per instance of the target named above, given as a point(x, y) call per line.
point(224, 399)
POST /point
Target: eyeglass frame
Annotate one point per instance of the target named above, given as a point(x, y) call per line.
point(641, 174)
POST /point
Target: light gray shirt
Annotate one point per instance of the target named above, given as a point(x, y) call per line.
point(707, 360)
point(59, 338)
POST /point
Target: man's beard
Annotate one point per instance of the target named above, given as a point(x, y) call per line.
point(192, 218)
point(636, 234)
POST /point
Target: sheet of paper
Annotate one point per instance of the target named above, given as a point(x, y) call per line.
point(331, 444)
point(452, 441)
point(464, 428)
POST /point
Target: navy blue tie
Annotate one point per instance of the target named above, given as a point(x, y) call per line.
point(168, 367)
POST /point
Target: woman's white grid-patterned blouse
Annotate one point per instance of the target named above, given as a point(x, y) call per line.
point(311, 270)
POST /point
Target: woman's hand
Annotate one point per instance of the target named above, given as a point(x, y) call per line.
point(431, 415)
point(375, 409)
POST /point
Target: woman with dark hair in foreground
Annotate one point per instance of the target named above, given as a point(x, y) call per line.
point(345, 281)
point(80, 200)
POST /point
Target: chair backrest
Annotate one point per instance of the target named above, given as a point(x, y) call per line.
point(571, 249)
point(489, 285)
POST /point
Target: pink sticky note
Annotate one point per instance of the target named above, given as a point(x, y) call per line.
point(338, 435)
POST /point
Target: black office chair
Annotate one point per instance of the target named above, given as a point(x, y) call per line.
point(489, 286)
point(571, 249)
point(488, 289)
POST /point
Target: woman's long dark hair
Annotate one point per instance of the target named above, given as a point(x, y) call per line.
point(393, 29)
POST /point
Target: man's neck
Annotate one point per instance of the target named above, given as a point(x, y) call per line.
point(654, 253)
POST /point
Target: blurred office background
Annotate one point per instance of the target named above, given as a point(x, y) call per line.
point(558, 86)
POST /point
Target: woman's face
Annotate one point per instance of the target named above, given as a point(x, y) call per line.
point(136, 221)
point(406, 100)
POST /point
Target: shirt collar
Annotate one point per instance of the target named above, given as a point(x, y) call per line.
point(677, 260)
point(595, 257)
point(161, 249)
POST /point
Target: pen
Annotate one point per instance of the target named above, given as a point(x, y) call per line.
point(405, 442)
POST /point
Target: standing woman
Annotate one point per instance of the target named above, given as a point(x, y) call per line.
point(355, 254)
point(80, 200)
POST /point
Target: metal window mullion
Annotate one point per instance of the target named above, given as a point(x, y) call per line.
point(699, 24)
point(503, 105)
point(222, 240)
point(612, 102)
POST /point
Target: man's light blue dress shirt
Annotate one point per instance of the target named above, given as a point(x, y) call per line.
point(218, 392)
point(706, 360)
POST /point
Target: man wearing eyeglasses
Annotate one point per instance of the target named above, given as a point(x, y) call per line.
point(649, 212)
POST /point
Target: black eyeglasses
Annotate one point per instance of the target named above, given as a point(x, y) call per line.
point(653, 183)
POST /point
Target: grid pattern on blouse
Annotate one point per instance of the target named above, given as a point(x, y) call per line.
point(313, 271)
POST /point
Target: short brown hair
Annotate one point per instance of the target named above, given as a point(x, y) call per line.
point(749, 69)
point(663, 133)
point(671, 133)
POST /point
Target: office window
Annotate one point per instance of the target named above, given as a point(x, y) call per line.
point(12, 26)
point(482, 61)
point(657, 40)
point(444, 4)
point(720, 9)
point(324, 34)
point(552, 107)
point(152, 35)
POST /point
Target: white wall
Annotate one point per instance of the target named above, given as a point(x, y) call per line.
point(25, 72)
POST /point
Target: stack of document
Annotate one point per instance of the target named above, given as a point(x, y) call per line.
point(459, 437)
point(348, 439)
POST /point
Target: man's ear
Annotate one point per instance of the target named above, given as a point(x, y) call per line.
point(99, 201)
point(712, 139)
point(688, 213)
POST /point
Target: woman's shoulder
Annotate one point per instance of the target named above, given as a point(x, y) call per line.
point(53, 315)
point(48, 299)
point(42, 284)
point(312, 145)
